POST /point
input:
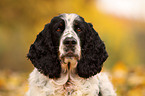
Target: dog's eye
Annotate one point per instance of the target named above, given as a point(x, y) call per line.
point(58, 29)
point(78, 29)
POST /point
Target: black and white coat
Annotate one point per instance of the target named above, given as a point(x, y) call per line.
point(68, 56)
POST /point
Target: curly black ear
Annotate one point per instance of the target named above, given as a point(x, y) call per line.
point(93, 54)
point(43, 54)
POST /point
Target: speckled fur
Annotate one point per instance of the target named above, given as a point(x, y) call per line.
point(41, 85)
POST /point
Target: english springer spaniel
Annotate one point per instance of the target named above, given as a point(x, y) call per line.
point(68, 56)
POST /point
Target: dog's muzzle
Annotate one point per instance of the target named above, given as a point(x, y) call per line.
point(70, 53)
point(69, 46)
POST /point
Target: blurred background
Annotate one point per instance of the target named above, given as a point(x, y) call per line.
point(120, 24)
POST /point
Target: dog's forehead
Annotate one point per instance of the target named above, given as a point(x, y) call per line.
point(69, 18)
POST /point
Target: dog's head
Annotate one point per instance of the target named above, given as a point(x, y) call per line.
point(68, 42)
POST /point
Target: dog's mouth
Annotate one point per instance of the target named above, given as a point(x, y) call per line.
point(70, 55)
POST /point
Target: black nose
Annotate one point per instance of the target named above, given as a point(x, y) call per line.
point(70, 41)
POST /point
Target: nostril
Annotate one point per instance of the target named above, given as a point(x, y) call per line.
point(66, 42)
point(74, 42)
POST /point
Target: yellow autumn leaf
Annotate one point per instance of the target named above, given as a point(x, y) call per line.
point(120, 72)
point(138, 91)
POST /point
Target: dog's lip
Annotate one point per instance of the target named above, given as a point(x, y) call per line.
point(69, 54)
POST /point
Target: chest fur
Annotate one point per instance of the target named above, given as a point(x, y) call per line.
point(43, 86)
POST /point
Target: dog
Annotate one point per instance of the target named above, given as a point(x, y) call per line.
point(68, 56)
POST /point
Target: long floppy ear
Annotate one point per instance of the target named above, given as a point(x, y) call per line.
point(93, 54)
point(43, 54)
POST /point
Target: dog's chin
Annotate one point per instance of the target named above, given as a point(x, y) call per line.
point(69, 60)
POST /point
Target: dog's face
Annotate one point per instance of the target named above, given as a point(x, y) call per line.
point(66, 36)
point(68, 42)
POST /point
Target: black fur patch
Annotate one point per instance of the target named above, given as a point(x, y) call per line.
point(43, 52)
point(93, 52)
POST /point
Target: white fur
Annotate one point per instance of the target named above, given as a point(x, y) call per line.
point(69, 32)
point(41, 85)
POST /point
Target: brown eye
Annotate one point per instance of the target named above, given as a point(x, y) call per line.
point(79, 29)
point(60, 24)
point(58, 30)
point(60, 27)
